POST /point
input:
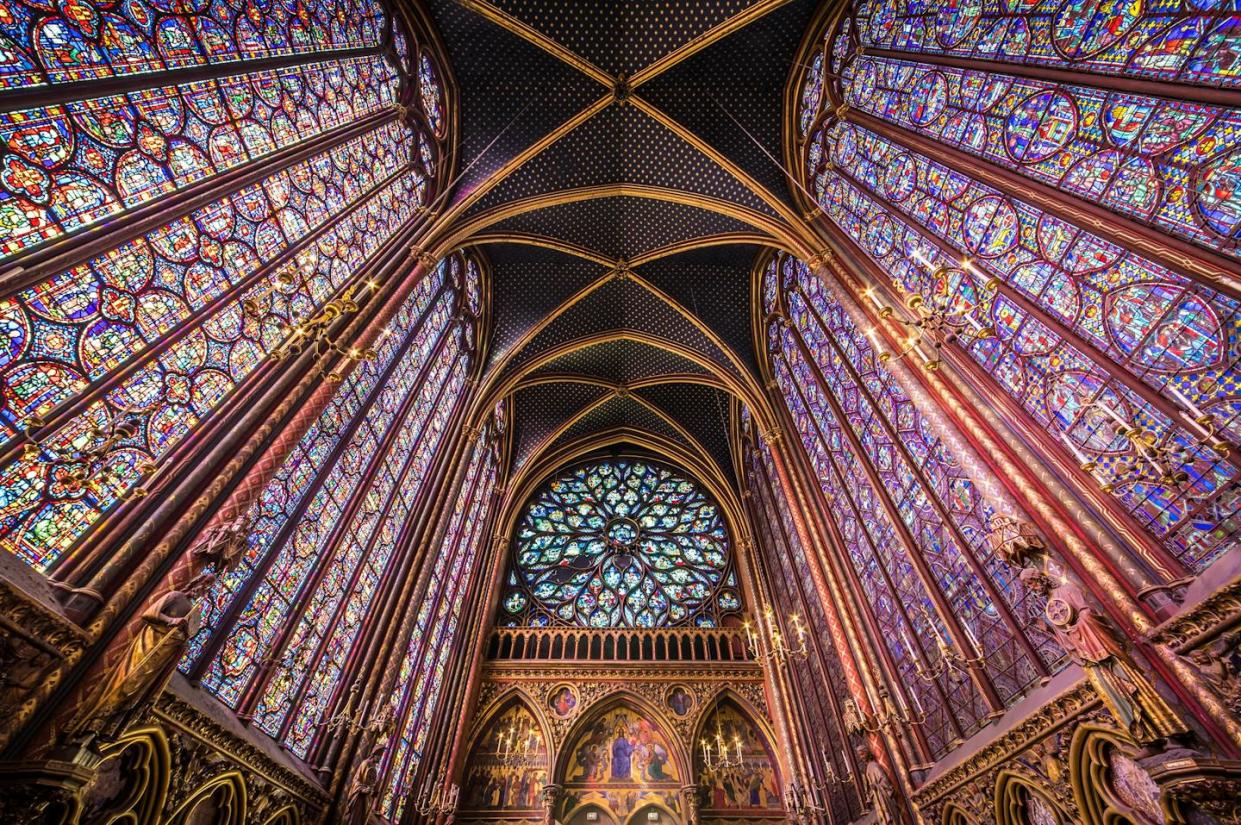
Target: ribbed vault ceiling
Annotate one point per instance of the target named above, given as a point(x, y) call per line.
point(618, 175)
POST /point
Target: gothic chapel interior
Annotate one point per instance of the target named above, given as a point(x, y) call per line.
point(620, 412)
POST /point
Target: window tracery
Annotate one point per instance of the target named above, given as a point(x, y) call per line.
point(912, 520)
point(317, 558)
point(1093, 340)
point(621, 543)
point(148, 338)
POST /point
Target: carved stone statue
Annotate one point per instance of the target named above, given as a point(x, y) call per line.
point(1090, 641)
point(690, 803)
point(550, 797)
point(362, 786)
point(135, 676)
point(880, 791)
point(855, 723)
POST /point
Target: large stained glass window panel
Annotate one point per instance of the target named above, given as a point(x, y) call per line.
point(919, 220)
point(1164, 161)
point(432, 639)
point(1189, 41)
point(627, 543)
point(95, 39)
point(411, 334)
point(67, 166)
point(162, 328)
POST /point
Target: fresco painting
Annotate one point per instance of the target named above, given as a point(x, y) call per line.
point(751, 785)
point(620, 761)
point(498, 779)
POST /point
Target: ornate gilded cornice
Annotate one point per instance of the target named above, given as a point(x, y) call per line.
point(183, 716)
point(1199, 623)
point(1054, 714)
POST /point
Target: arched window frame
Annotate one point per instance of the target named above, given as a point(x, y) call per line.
point(1188, 523)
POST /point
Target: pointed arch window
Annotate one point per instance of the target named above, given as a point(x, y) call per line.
point(178, 189)
point(621, 543)
point(330, 524)
point(434, 636)
point(912, 520)
point(1075, 219)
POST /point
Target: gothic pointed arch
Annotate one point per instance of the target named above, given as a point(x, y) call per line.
point(736, 767)
point(620, 755)
point(509, 760)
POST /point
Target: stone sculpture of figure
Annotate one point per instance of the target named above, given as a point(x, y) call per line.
point(1087, 637)
point(1090, 641)
point(550, 797)
point(134, 677)
point(880, 790)
point(362, 786)
point(854, 722)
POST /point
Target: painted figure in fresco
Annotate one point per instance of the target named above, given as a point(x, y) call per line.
point(564, 702)
point(622, 751)
point(680, 701)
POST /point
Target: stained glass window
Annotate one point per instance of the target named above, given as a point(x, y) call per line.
point(431, 640)
point(907, 510)
point(93, 39)
point(318, 560)
point(820, 677)
point(624, 543)
point(114, 358)
point(1095, 338)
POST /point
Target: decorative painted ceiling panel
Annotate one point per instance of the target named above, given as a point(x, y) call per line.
point(628, 135)
point(713, 283)
point(620, 362)
point(741, 78)
point(622, 227)
point(528, 282)
point(623, 37)
point(621, 144)
point(621, 307)
point(541, 409)
point(617, 412)
point(510, 92)
point(702, 411)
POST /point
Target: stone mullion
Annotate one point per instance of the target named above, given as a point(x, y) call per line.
point(419, 774)
point(98, 390)
point(449, 719)
point(778, 536)
point(874, 669)
point(212, 646)
point(797, 701)
point(55, 94)
point(258, 683)
point(375, 669)
point(947, 615)
point(1120, 372)
point(1230, 98)
point(995, 430)
point(1199, 264)
point(487, 602)
point(966, 549)
point(69, 251)
point(367, 666)
point(336, 541)
point(855, 631)
point(867, 662)
point(774, 671)
point(95, 571)
point(152, 557)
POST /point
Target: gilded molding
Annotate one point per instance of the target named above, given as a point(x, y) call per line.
point(1197, 625)
point(181, 715)
point(1067, 708)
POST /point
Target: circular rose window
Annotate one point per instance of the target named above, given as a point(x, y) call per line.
point(620, 543)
